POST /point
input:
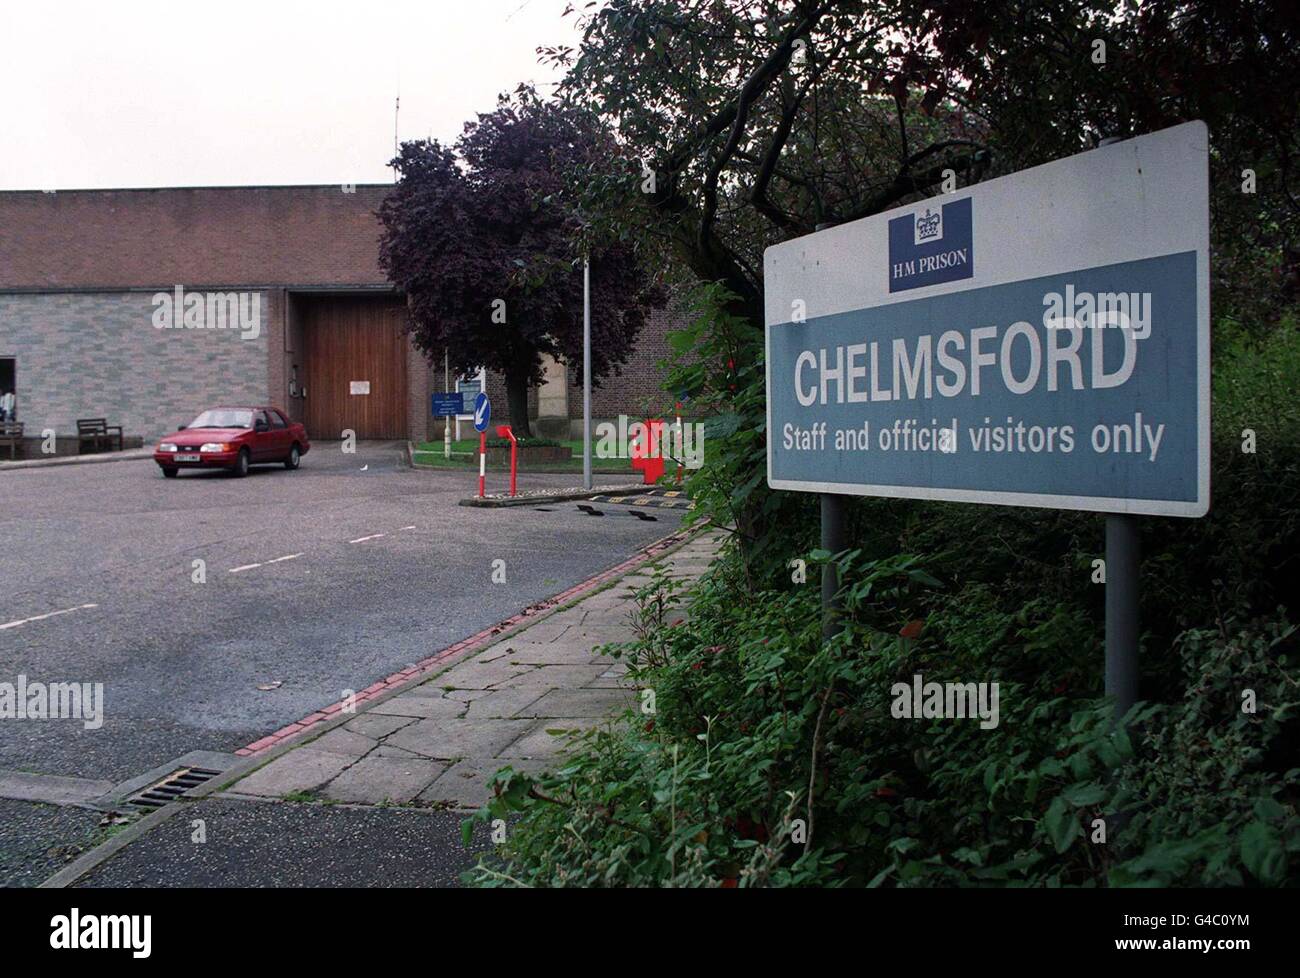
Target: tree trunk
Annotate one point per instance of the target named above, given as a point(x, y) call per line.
point(517, 402)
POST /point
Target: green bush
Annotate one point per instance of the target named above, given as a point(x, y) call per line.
point(706, 790)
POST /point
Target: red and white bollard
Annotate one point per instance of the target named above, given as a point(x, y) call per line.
point(482, 462)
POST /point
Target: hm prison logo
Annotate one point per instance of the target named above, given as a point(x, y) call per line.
point(929, 226)
point(931, 246)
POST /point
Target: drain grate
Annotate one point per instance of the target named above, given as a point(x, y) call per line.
point(172, 787)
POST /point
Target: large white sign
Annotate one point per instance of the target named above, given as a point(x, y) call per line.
point(1042, 339)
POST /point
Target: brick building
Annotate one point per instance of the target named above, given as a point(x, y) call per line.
point(147, 306)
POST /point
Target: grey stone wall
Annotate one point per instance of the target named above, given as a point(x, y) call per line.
point(100, 355)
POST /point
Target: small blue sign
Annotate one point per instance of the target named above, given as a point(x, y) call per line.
point(448, 405)
point(482, 412)
point(931, 246)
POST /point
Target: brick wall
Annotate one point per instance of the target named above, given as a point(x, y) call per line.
point(99, 355)
point(238, 236)
point(639, 389)
point(99, 244)
point(419, 384)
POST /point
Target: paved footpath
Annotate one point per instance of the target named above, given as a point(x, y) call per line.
point(376, 798)
point(436, 743)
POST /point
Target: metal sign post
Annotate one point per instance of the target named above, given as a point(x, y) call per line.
point(482, 415)
point(834, 539)
point(1123, 560)
point(586, 373)
point(1040, 339)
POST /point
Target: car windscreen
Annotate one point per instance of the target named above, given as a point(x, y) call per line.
point(223, 418)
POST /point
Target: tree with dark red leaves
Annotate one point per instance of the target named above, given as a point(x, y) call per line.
point(489, 253)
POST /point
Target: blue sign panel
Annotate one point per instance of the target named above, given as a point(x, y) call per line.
point(448, 405)
point(1069, 369)
point(932, 245)
point(991, 390)
point(482, 412)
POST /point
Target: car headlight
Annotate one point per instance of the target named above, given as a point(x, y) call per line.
point(166, 447)
point(214, 446)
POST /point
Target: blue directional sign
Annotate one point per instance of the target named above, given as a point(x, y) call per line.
point(448, 405)
point(482, 412)
point(1041, 339)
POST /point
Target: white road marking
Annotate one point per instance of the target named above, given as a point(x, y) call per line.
point(240, 570)
point(373, 536)
point(408, 528)
point(52, 614)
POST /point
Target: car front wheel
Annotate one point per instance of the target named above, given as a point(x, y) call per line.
point(295, 457)
point(241, 464)
point(170, 472)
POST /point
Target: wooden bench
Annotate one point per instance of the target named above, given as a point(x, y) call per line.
point(98, 432)
point(11, 434)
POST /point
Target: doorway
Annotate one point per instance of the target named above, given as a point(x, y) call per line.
point(354, 358)
point(9, 380)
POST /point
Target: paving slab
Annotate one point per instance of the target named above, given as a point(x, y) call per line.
point(467, 695)
point(376, 726)
point(299, 770)
point(547, 739)
point(584, 703)
point(556, 677)
point(505, 703)
point(387, 750)
point(395, 780)
point(559, 652)
point(420, 706)
point(443, 739)
point(340, 740)
point(56, 790)
point(481, 675)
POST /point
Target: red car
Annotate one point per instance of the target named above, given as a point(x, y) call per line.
point(233, 438)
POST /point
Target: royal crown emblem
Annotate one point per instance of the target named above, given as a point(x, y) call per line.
point(929, 226)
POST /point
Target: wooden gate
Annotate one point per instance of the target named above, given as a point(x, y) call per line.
point(355, 353)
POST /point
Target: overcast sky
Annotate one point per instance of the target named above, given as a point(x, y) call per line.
point(144, 93)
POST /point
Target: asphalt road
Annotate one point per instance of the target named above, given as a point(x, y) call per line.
point(317, 581)
point(254, 844)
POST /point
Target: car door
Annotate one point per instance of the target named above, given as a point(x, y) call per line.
point(283, 436)
point(263, 439)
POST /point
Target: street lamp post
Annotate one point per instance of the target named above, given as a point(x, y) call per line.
point(586, 373)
